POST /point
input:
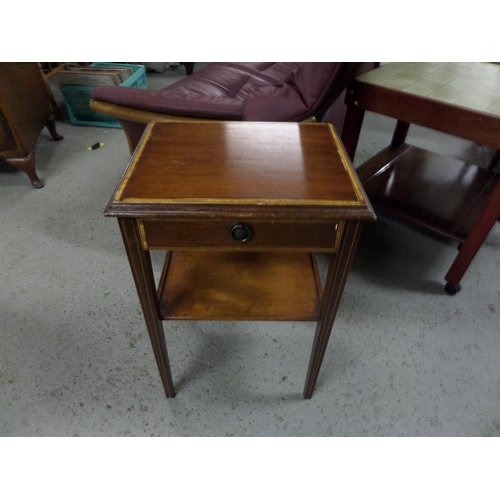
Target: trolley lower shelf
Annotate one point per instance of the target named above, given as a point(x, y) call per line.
point(442, 194)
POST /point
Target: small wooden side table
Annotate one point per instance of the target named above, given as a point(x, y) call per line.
point(241, 207)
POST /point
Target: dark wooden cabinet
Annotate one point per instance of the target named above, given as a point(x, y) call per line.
point(24, 111)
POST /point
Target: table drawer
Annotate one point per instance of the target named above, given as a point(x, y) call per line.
point(245, 234)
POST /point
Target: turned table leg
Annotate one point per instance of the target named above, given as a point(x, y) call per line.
point(140, 264)
point(338, 271)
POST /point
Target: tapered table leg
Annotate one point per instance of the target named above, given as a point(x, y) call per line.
point(338, 271)
point(140, 263)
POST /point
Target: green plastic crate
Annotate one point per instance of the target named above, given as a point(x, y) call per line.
point(77, 98)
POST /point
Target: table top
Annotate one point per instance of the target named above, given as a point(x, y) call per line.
point(475, 86)
point(184, 167)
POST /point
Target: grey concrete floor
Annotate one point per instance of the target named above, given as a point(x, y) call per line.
point(404, 359)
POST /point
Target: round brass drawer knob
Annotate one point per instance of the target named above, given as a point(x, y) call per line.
point(241, 232)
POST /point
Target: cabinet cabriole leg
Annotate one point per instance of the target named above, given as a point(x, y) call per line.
point(27, 165)
point(51, 127)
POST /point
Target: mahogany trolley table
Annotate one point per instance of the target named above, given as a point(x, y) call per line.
point(240, 207)
point(447, 196)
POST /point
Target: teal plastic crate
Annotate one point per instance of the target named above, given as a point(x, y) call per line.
point(77, 98)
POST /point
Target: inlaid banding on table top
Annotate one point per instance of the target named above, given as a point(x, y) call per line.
point(247, 201)
point(474, 86)
point(233, 163)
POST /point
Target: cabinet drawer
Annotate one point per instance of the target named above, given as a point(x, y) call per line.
point(245, 234)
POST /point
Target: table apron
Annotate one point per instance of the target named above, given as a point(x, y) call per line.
point(477, 126)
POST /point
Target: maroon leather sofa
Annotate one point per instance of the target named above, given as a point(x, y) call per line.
point(262, 91)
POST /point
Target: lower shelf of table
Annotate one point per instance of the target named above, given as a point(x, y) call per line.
point(439, 193)
point(197, 285)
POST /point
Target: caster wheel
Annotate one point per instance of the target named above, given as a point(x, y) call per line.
point(452, 289)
